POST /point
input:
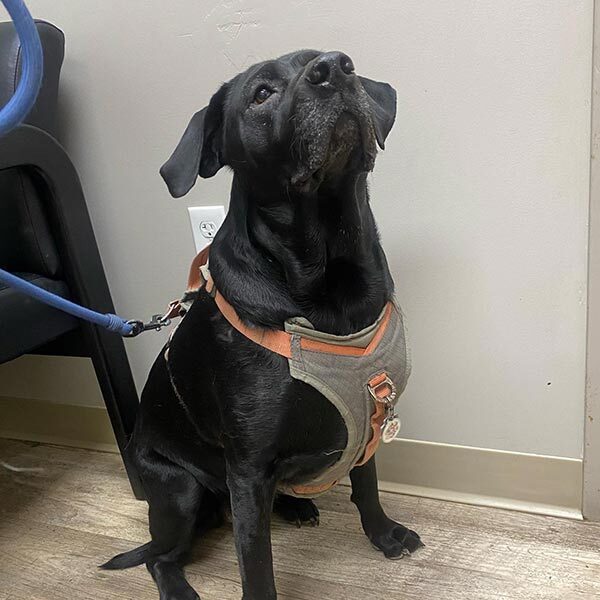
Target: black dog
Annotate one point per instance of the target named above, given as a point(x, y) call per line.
point(300, 134)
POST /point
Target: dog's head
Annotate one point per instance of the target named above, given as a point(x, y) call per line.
point(300, 120)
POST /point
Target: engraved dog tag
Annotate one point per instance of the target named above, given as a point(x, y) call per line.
point(390, 429)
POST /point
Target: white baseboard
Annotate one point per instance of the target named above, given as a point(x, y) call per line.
point(511, 480)
point(52, 423)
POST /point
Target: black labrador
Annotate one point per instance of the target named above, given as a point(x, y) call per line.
point(300, 134)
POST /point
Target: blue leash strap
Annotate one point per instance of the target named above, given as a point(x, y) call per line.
point(18, 107)
point(109, 321)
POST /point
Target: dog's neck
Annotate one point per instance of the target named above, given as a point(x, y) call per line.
point(283, 254)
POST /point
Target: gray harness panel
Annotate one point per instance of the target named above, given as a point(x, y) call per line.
point(344, 380)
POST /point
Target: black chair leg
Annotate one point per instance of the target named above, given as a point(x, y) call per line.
point(120, 396)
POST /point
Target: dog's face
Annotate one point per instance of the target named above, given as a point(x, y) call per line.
point(300, 120)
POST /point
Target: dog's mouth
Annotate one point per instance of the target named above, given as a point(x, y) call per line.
point(349, 143)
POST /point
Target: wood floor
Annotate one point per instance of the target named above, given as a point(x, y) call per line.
point(75, 511)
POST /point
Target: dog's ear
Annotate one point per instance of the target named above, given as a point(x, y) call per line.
point(382, 98)
point(199, 151)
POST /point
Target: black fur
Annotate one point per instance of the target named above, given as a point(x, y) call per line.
point(299, 240)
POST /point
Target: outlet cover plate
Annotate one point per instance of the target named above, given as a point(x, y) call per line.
point(205, 221)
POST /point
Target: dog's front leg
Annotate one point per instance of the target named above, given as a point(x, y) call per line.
point(393, 539)
point(252, 493)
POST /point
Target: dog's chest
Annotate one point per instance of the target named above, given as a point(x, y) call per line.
point(316, 400)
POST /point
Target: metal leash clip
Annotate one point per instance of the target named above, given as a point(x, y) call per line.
point(156, 323)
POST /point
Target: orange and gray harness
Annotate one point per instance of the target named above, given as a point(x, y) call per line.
point(361, 374)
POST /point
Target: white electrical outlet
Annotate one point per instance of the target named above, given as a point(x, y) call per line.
point(205, 221)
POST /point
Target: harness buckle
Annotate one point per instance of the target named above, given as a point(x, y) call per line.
point(383, 389)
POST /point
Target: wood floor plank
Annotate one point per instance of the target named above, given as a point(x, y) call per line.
point(57, 523)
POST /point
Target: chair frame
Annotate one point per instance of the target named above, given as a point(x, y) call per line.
point(32, 148)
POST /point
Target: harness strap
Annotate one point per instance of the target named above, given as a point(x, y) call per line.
point(195, 277)
point(280, 342)
point(277, 341)
point(377, 418)
point(194, 283)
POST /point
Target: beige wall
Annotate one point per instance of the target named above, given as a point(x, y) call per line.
point(481, 196)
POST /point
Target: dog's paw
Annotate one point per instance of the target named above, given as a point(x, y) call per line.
point(171, 581)
point(185, 594)
point(299, 511)
point(395, 540)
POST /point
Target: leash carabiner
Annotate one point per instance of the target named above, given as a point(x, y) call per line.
point(156, 323)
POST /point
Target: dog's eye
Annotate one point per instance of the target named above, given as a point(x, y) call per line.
point(262, 93)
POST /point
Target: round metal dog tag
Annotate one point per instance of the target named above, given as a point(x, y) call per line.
point(391, 428)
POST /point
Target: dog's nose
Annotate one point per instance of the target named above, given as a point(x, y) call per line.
point(331, 67)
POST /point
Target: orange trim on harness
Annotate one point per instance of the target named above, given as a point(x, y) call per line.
point(277, 341)
point(280, 342)
point(380, 390)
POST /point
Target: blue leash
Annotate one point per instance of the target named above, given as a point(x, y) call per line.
point(108, 321)
point(12, 115)
point(22, 102)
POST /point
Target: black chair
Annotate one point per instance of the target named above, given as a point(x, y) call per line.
point(46, 237)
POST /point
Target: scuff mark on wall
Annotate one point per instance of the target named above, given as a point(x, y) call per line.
point(242, 19)
point(232, 18)
point(235, 23)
